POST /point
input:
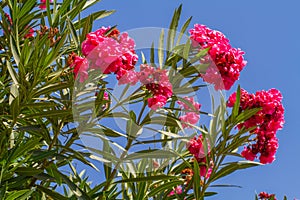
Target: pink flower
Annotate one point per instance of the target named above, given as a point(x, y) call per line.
point(111, 53)
point(80, 66)
point(266, 196)
point(146, 74)
point(30, 33)
point(247, 153)
point(197, 148)
point(92, 41)
point(127, 77)
point(8, 18)
point(267, 121)
point(43, 4)
point(206, 37)
point(105, 96)
point(157, 82)
point(190, 117)
point(160, 89)
point(270, 118)
point(196, 105)
point(177, 190)
point(200, 149)
point(227, 62)
point(157, 101)
point(191, 114)
point(204, 170)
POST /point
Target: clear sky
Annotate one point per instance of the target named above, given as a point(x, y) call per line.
point(269, 33)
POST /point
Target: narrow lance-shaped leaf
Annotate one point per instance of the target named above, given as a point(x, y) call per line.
point(183, 29)
point(73, 32)
point(146, 179)
point(196, 180)
point(163, 187)
point(232, 167)
point(161, 49)
point(173, 28)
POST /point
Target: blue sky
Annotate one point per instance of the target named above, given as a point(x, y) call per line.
point(269, 33)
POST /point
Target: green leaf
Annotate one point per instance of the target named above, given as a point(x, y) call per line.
point(80, 194)
point(142, 189)
point(183, 29)
point(186, 50)
point(12, 73)
point(163, 187)
point(196, 180)
point(51, 193)
point(18, 195)
point(3, 190)
point(161, 49)
point(152, 57)
point(208, 194)
point(173, 27)
point(87, 28)
point(225, 185)
point(229, 168)
point(50, 88)
point(23, 148)
point(26, 8)
point(14, 50)
point(200, 54)
point(73, 32)
point(14, 93)
point(146, 179)
point(151, 153)
point(51, 113)
point(196, 69)
point(132, 129)
point(246, 115)
point(163, 120)
point(236, 107)
point(79, 156)
point(64, 6)
point(143, 58)
point(108, 166)
point(53, 172)
point(28, 171)
point(105, 131)
point(94, 16)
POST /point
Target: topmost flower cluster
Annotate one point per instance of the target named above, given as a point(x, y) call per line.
point(227, 61)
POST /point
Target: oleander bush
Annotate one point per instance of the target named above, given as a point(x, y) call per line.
point(78, 96)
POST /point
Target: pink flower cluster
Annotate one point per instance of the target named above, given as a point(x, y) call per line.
point(43, 4)
point(267, 121)
point(200, 152)
point(266, 196)
point(227, 63)
point(191, 113)
point(110, 53)
point(157, 82)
